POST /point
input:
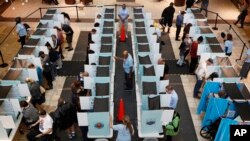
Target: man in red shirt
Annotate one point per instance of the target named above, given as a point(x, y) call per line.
point(193, 54)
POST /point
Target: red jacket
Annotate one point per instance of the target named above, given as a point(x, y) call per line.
point(193, 50)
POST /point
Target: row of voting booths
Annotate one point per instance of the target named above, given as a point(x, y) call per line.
point(210, 47)
point(13, 87)
point(98, 107)
point(151, 96)
point(224, 99)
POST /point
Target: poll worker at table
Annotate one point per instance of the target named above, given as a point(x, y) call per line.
point(246, 66)
point(21, 31)
point(174, 97)
point(201, 73)
point(125, 130)
point(167, 17)
point(44, 132)
point(123, 16)
point(128, 68)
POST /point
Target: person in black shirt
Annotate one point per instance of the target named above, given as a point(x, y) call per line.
point(69, 35)
point(168, 15)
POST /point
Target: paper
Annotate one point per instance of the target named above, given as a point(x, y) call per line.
point(86, 102)
point(82, 119)
point(167, 116)
point(87, 82)
point(165, 100)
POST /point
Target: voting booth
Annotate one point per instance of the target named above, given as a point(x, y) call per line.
point(98, 107)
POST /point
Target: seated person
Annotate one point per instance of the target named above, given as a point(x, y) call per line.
point(44, 131)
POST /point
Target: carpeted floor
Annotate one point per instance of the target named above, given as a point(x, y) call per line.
point(129, 97)
point(167, 50)
point(81, 47)
point(71, 68)
point(187, 130)
point(174, 69)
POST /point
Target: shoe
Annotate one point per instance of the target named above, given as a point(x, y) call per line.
point(198, 97)
point(177, 39)
point(67, 47)
point(58, 68)
point(70, 49)
point(70, 136)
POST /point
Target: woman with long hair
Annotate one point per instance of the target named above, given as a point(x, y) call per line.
point(125, 130)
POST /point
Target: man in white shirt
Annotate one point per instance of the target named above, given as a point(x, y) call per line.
point(123, 15)
point(127, 67)
point(43, 133)
point(174, 97)
point(201, 76)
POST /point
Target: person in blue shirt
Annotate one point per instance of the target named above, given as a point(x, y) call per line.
point(179, 22)
point(125, 130)
point(127, 67)
point(21, 31)
point(123, 16)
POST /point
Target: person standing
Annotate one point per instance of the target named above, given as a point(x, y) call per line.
point(182, 49)
point(189, 3)
point(246, 66)
point(43, 133)
point(128, 68)
point(229, 45)
point(69, 35)
point(179, 22)
point(186, 30)
point(125, 130)
point(21, 31)
point(243, 13)
point(193, 54)
point(66, 18)
point(188, 42)
point(65, 117)
point(201, 73)
point(204, 6)
point(57, 45)
point(174, 97)
point(167, 16)
point(123, 16)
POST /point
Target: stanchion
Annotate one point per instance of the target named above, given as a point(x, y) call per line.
point(3, 65)
point(244, 45)
point(216, 20)
point(41, 14)
point(77, 16)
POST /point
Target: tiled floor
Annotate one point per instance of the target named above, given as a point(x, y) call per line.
point(10, 47)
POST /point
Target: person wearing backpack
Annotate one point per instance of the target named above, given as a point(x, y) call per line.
point(172, 128)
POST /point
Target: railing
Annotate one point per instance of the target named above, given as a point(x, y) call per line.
point(230, 28)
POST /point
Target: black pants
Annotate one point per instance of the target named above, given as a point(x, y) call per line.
point(31, 136)
point(241, 19)
point(48, 77)
point(185, 54)
point(178, 30)
point(22, 40)
point(193, 64)
point(128, 81)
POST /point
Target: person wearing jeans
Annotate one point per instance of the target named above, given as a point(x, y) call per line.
point(128, 68)
point(179, 22)
point(201, 74)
